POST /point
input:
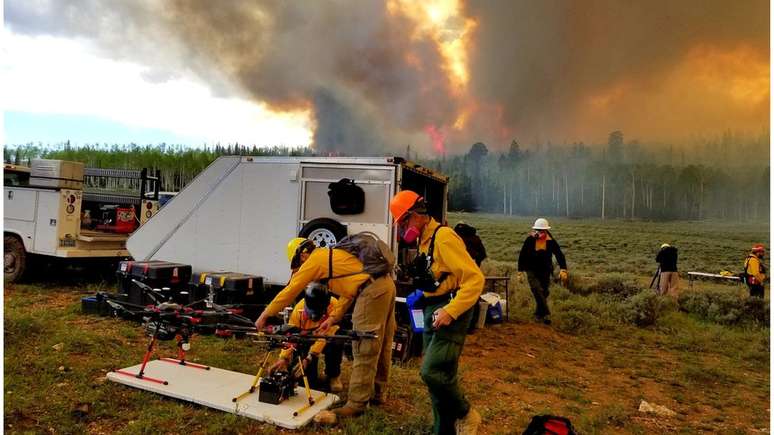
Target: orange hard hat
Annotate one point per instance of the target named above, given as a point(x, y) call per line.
point(758, 247)
point(402, 202)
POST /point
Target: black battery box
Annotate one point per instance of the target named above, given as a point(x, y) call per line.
point(401, 344)
point(229, 288)
point(156, 274)
point(95, 305)
point(276, 388)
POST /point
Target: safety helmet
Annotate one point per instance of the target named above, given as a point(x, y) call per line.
point(758, 247)
point(541, 224)
point(664, 245)
point(304, 246)
point(316, 300)
point(402, 202)
point(293, 245)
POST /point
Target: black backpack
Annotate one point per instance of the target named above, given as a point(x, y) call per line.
point(473, 243)
point(346, 197)
point(549, 425)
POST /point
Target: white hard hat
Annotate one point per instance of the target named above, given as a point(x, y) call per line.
point(541, 224)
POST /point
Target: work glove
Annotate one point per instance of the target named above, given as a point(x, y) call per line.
point(414, 299)
point(325, 326)
point(305, 363)
point(563, 277)
point(520, 275)
point(281, 365)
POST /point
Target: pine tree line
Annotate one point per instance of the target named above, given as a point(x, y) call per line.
point(722, 178)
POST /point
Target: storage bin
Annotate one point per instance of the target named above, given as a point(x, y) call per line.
point(156, 274)
point(229, 288)
point(59, 174)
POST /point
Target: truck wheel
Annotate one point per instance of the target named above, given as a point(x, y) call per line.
point(15, 259)
point(324, 232)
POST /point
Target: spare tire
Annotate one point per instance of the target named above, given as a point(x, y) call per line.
point(324, 232)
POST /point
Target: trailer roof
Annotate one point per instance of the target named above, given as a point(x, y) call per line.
point(386, 161)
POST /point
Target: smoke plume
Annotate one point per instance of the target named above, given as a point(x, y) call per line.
point(377, 76)
point(661, 69)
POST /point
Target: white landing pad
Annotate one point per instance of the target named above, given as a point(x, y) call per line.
point(216, 387)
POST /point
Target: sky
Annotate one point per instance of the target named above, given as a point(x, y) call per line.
point(57, 89)
point(373, 76)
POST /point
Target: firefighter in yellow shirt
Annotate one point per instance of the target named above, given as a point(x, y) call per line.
point(755, 270)
point(307, 316)
point(374, 312)
point(448, 284)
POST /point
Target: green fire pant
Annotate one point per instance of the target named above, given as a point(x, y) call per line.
point(442, 349)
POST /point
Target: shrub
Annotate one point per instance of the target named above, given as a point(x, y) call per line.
point(644, 308)
point(724, 307)
point(579, 315)
point(575, 321)
point(498, 268)
point(621, 285)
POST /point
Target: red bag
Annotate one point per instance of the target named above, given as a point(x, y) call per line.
point(549, 425)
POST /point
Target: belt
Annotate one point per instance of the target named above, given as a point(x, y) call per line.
point(365, 285)
point(431, 300)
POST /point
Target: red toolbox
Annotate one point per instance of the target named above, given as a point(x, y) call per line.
point(156, 274)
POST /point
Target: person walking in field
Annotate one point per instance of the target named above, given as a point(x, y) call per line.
point(755, 270)
point(669, 279)
point(448, 283)
point(535, 260)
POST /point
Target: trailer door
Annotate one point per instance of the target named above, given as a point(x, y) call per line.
point(377, 182)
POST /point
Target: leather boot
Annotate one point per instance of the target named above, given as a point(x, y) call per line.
point(468, 425)
point(347, 411)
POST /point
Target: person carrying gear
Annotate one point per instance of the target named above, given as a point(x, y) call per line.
point(374, 298)
point(307, 316)
point(535, 260)
point(669, 279)
point(298, 251)
point(448, 284)
point(755, 271)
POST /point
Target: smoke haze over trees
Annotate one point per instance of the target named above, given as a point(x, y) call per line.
point(724, 177)
point(721, 178)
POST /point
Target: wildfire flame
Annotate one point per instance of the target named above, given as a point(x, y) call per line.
point(442, 22)
point(437, 138)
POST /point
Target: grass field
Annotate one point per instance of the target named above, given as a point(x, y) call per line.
point(612, 344)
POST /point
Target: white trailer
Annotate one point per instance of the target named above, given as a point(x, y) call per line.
point(240, 212)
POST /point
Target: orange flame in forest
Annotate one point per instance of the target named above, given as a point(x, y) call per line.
point(437, 138)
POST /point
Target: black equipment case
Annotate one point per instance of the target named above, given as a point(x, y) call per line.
point(156, 274)
point(229, 288)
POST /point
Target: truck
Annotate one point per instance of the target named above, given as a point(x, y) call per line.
point(240, 212)
point(49, 216)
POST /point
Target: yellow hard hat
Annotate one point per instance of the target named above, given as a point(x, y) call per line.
point(293, 245)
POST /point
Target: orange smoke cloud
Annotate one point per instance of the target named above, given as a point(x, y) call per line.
point(710, 89)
